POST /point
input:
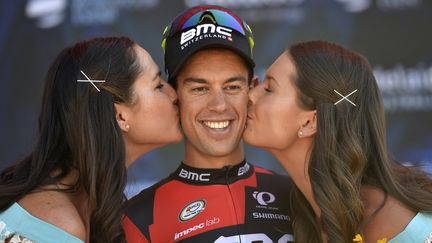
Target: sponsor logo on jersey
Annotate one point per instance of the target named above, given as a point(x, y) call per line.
point(194, 176)
point(256, 237)
point(242, 170)
point(264, 198)
point(257, 215)
point(207, 223)
point(204, 31)
point(188, 230)
point(192, 210)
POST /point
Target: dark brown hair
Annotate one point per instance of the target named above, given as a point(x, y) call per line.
point(349, 148)
point(78, 130)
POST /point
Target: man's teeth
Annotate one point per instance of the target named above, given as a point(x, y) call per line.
point(218, 125)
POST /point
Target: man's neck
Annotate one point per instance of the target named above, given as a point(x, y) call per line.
point(196, 159)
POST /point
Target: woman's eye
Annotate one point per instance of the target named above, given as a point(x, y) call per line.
point(160, 86)
point(267, 89)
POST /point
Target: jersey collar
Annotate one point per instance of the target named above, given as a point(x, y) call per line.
point(224, 175)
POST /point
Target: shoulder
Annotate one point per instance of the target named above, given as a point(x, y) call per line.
point(54, 208)
point(140, 207)
point(281, 186)
point(274, 177)
point(390, 220)
point(139, 213)
point(146, 195)
point(263, 171)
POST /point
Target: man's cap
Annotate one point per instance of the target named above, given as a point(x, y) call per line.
point(204, 27)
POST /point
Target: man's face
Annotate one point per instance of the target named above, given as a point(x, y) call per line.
point(212, 88)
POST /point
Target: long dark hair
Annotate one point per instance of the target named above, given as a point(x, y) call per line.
point(349, 148)
point(78, 130)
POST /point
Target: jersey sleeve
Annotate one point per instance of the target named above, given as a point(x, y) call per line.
point(132, 233)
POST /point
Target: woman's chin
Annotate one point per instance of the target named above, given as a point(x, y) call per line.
point(178, 139)
point(251, 139)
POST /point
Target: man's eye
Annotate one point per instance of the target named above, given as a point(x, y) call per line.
point(233, 87)
point(199, 89)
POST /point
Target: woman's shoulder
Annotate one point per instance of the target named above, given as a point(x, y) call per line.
point(55, 208)
point(385, 216)
point(419, 229)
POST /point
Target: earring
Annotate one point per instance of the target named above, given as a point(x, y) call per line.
point(127, 126)
point(300, 133)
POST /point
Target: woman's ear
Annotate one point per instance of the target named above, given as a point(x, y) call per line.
point(122, 115)
point(309, 127)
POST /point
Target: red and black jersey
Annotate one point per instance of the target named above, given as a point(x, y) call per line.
point(241, 203)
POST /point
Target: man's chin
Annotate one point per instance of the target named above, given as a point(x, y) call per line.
point(222, 148)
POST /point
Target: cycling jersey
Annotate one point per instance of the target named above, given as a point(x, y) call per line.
point(240, 203)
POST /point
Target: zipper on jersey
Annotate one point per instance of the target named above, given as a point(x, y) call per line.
point(228, 184)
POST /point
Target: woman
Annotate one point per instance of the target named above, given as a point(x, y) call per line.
point(104, 105)
point(335, 149)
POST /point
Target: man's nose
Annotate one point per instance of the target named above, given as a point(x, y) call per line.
point(218, 102)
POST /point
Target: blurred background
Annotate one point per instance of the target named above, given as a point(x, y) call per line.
point(395, 35)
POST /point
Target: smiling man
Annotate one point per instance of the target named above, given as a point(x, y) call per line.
point(213, 103)
point(215, 195)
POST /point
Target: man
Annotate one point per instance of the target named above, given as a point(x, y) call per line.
point(214, 195)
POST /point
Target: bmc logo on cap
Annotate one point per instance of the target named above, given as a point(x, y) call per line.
point(204, 29)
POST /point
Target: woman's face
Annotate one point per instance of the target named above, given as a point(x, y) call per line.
point(152, 118)
point(274, 117)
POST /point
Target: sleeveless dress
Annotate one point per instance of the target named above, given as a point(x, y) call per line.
point(19, 226)
point(419, 230)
